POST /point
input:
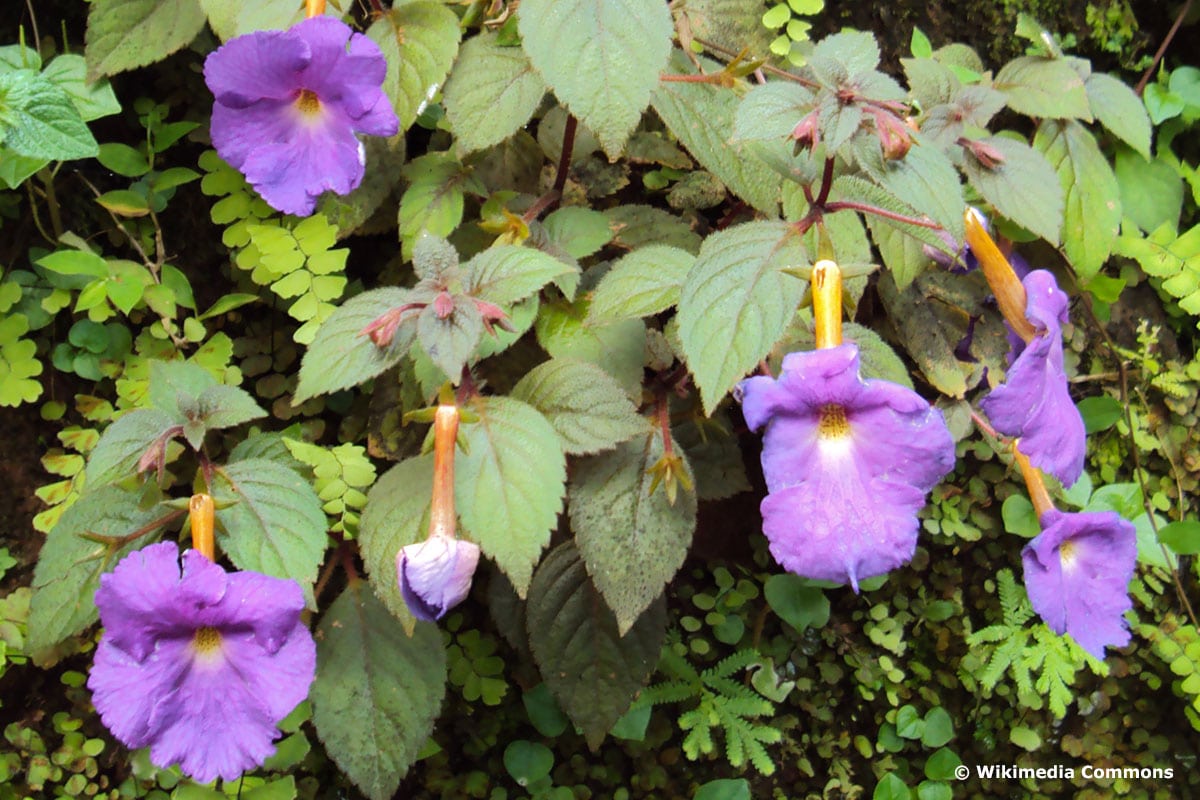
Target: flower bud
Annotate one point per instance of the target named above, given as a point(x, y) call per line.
point(435, 575)
point(987, 155)
point(807, 132)
point(895, 138)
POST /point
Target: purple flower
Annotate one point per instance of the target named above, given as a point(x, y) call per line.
point(288, 106)
point(1077, 573)
point(848, 463)
point(435, 575)
point(964, 260)
point(200, 667)
point(1033, 404)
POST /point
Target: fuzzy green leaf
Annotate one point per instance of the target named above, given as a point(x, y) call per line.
point(632, 539)
point(702, 117)
point(645, 282)
point(491, 94)
point(122, 444)
point(590, 668)
point(510, 484)
point(433, 201)
point(602, 58)
point(927, 341)
point(419, 41)
point(638, 225)
point(450, 341)
point(1018, 187)
point(377, 691)
point(1120, 110)
point(1048, 88)
point(123, 34)
point(39, 121)
point(506, 274)
point(226, 406)
point(737, 302)
point(588, 408)
point(771, 111)
point(925, 180)
point(396, 515)
point(341, 357)
point(1093, 197)
point(580, 232)
point(564, 331)
point(69, 566)
point(270, 520)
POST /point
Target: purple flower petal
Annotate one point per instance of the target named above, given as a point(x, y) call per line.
point(201, 666)
point(847, 464)
point(435, 575)
point(1034, 403)
point(1077, 574)
point(289, 105)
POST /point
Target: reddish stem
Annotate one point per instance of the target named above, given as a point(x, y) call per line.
point(866, 208)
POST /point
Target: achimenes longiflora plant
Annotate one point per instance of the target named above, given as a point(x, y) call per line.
point(848, 462)
point(1077, 570)
point(199, 665)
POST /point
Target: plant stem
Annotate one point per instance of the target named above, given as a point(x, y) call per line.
point(866, 208)
point(1162, 51)
point(568, 149)
point(1034, 482)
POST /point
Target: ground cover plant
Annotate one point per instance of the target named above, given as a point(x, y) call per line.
point(578, 398)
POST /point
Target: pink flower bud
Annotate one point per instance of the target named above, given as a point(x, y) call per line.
point(435, 575)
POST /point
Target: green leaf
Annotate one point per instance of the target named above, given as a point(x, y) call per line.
point(891, 787)
point(737, 302)
point(377, 691)
point(940, 766)
point(527, 762)
point(123, 160)
point(419, 41)
point(510, 484)
point(450, 341)
point(15, 168)
point(1048, 88)
point(587, 407)
point(1120, 110)
point(123, 443)
point(702, 117)
point(645, 282)
point(939, 728)
point(123, 34)
point(227, 406)
point(69, 566)
point(93, 100)
point(601, 58)
point(1025, 738)
point(1019, 516)
point(771, 111)
point(632, 539)
point(1018, 187)
point(38, 119)
point(507, 273)
point(1182, 537)
point(924, 180)
point(340, 356)
point(564, 331)
point(1093, 197)
point(1151, 191)
point(578, 231)
point(270, 520)
point(176, 385)
point(796, 602)
point(75, 262)
point(590, 668)
point(1100, 413)
point(491, 94)
point(433, 201)
point(724, 789)
point(396, 515)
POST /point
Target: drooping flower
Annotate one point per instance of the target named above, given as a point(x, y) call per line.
point(435, 575)
point(1077, 573)
point(200, 667)
point(848, 463)
point(288, 106)
point(1033, 403)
